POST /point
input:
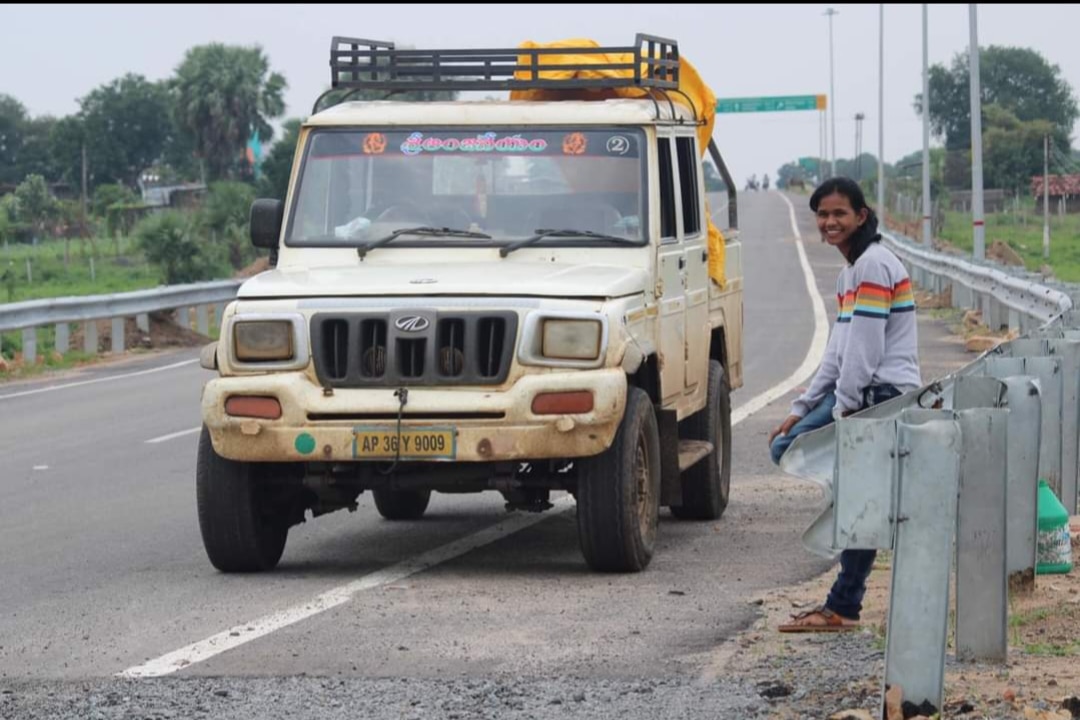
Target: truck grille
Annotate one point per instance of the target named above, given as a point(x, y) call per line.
point(392, 349)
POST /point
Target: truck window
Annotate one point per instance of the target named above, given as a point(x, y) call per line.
point(688, 184)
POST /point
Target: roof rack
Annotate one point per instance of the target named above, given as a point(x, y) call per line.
point(371, 64)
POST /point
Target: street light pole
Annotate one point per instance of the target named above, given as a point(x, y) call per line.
point(830, 12)
point(881, 112)
point(977, 220)
point(927, 203)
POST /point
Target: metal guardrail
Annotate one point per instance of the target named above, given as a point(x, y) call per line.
point(986, 434)
point(30, 315)
point(1006, 301)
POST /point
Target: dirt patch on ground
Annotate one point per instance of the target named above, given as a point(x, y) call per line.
point(259, 265)
point(1040, 676)
point(966, 325)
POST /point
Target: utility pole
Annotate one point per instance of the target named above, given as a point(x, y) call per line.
point(830, 12)
point(978, 222)
point(858, 145)
point(82, 213)
point(881, 113)
point(1046, 197)
point(927, 203)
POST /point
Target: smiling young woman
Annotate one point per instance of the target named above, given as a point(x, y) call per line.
point(872, 357)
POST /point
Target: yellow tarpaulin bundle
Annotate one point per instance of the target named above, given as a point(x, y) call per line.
point(690, 83)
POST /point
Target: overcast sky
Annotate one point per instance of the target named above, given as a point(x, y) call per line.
point(51, 55)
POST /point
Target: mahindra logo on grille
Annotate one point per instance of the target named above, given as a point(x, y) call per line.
point(412, 323)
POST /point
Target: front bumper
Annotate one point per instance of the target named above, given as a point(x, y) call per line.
point(329, 437)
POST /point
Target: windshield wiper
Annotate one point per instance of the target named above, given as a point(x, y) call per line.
point(422, 230)
point(567, 232)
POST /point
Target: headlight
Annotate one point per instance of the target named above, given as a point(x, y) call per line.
point(571, 339)
point(263, 341)
point(564, 339)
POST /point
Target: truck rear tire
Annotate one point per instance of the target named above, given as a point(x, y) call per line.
point(706, 485)
point(240, 528)
point(401, 504)
point(618, 493)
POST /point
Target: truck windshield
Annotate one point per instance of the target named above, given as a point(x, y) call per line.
point(358, 185)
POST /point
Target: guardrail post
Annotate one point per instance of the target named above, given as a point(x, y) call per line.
point(1014, 320)
point(1047, 374)
point(1068, 351)
point(202, 322)
point(219, 313)
point(1025, 421)
point(183, 317)
point(90, 339)
point(142, 321)
point(986, 309)
point(29, 345)
point(63, 338)
point(118, 335)
point(981, 541)
point(928, 468)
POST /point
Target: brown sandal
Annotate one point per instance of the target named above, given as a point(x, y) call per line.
point(820, 619)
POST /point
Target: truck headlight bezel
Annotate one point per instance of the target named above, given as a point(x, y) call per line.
point(548, 336)
point(242, 341)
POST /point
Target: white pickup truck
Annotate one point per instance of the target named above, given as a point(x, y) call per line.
point(479, 295)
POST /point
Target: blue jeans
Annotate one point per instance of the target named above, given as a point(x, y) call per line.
point(845, 597)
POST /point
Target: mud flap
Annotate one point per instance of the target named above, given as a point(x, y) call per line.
point(670, 478)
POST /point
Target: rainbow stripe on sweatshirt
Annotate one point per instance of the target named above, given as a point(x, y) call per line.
point(875, 301)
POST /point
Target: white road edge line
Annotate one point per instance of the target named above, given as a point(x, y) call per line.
point(99, 380)
point(172, 436)
point(817, 343)
point(246, 632)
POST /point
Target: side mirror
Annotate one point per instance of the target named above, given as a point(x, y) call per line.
point(266, 218)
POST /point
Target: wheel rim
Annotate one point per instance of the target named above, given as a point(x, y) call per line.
point(643, 486)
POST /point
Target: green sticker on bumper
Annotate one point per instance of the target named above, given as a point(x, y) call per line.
point(305, 444)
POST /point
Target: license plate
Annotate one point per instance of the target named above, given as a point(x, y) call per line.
point(431, 443)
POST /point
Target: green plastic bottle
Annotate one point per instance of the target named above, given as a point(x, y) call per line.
point(1054, 546)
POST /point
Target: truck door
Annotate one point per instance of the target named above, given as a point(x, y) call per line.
point(695, 248)
point(671, 266)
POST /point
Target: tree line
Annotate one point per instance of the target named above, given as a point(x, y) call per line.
point(1024, 100)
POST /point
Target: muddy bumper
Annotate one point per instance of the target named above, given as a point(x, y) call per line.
point(435, 425)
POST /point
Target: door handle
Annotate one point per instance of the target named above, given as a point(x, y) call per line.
point(704, 256)
point(682, 262)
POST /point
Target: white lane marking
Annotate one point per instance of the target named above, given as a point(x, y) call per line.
point(41, 467)
point(99, 380)
point(246, 632)
point(172, 436)
point(817, 344)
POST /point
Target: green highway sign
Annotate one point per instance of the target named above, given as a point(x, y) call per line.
point(770, 104)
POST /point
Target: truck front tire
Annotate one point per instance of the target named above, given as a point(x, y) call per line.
point(241, 530)
point(618, 493)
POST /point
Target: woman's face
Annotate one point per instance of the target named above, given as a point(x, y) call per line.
point(837, 220)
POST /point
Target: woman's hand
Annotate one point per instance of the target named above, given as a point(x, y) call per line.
point(784, 428)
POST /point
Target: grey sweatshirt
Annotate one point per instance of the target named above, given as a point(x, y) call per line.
point(874, 341)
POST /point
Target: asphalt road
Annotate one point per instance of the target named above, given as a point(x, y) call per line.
point(103, 569)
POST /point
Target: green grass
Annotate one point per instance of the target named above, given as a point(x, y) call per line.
point(1023, 232)
point(1028, 618)
point(1068, 650)
point(118, 266)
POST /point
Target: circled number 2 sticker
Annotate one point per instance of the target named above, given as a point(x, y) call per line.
point(618, 145)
